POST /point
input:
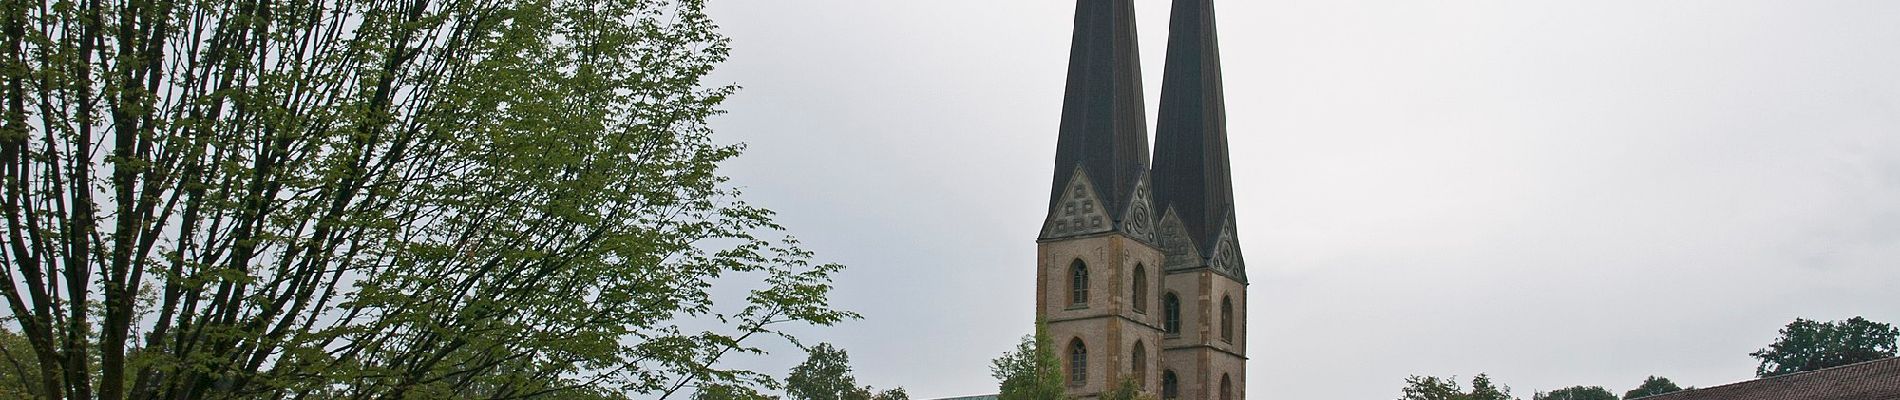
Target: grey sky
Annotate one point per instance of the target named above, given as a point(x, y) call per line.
point(1557, 193)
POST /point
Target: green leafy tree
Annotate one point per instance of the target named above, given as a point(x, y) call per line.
point(1577, 393)
point(379, 199)
point(1651, 387)
point(729, 392)
point(891, 394)
point(1807, 345)
point(1127, 390)
point(1435, 388)
point(17, 367)
point(1032, 371)
point(826, 375)
point(1432, 388)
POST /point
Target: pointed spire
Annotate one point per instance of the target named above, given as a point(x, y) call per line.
point(1104, 132)
point(1191, 169)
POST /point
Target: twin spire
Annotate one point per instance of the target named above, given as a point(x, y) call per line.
point(1104, 131)
point(1190, 167)
point(1103, 181)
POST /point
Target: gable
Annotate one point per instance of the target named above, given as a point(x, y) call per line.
point(1227, 258)
point(1180, 251)
point(1139, 221)
point(1079, 212)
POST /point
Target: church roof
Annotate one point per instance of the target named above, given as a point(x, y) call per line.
point(1104, 127)
point(1191, 173)
point(1874, 380)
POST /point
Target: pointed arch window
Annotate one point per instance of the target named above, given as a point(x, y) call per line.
point(1141, 289)
point(1171, 314)
point(1227, 319)
point(1078, 283)
point(1226, 388)
point(1078, 363)
point(1140, 367)
point(1170, 386)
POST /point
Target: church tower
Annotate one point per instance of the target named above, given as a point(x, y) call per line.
point(1098, 265)
point(1205, 278)
point(1139, 272)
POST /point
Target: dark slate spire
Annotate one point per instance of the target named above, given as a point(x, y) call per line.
point(1191, 174)
point(1104, 132)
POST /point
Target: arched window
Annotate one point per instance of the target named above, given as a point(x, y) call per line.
point(1171, 314)
point(1170, 387)
point(1227, 319)
point(1141, 364)
point(1078, 363)
point(1226, 388)
point(1141, 289)
point(1078, 283)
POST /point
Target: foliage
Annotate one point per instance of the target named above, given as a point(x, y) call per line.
point(826, 375)
point(891, 394)
point(378, 199)
point(1032, 371)
point(1577, 393)
point(1651, 387)
point(1435, 388)
point(729, 392)
point(1807, 345)
point(1127, 390)
point(17, 366)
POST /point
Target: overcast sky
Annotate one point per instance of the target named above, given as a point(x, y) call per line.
point(1555, 193)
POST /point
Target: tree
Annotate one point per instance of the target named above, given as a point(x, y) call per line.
point(1032, 371)
point(1127, 390)
point(1651, 387)
point(17, 367)
point(891, 394)
point(1807, 345)
point(1435, 388)
point(379, 198)
point(1577, 393)
point(826, 375)
point(1432, 388)
point(729, 392)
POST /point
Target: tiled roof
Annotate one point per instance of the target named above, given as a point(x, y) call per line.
point(1873, 380)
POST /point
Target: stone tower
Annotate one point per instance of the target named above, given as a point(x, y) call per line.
point(1139, 273)
point(1205, 273)
point(1098, 265)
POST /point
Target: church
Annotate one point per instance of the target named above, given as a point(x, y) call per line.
point(1139, 269)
